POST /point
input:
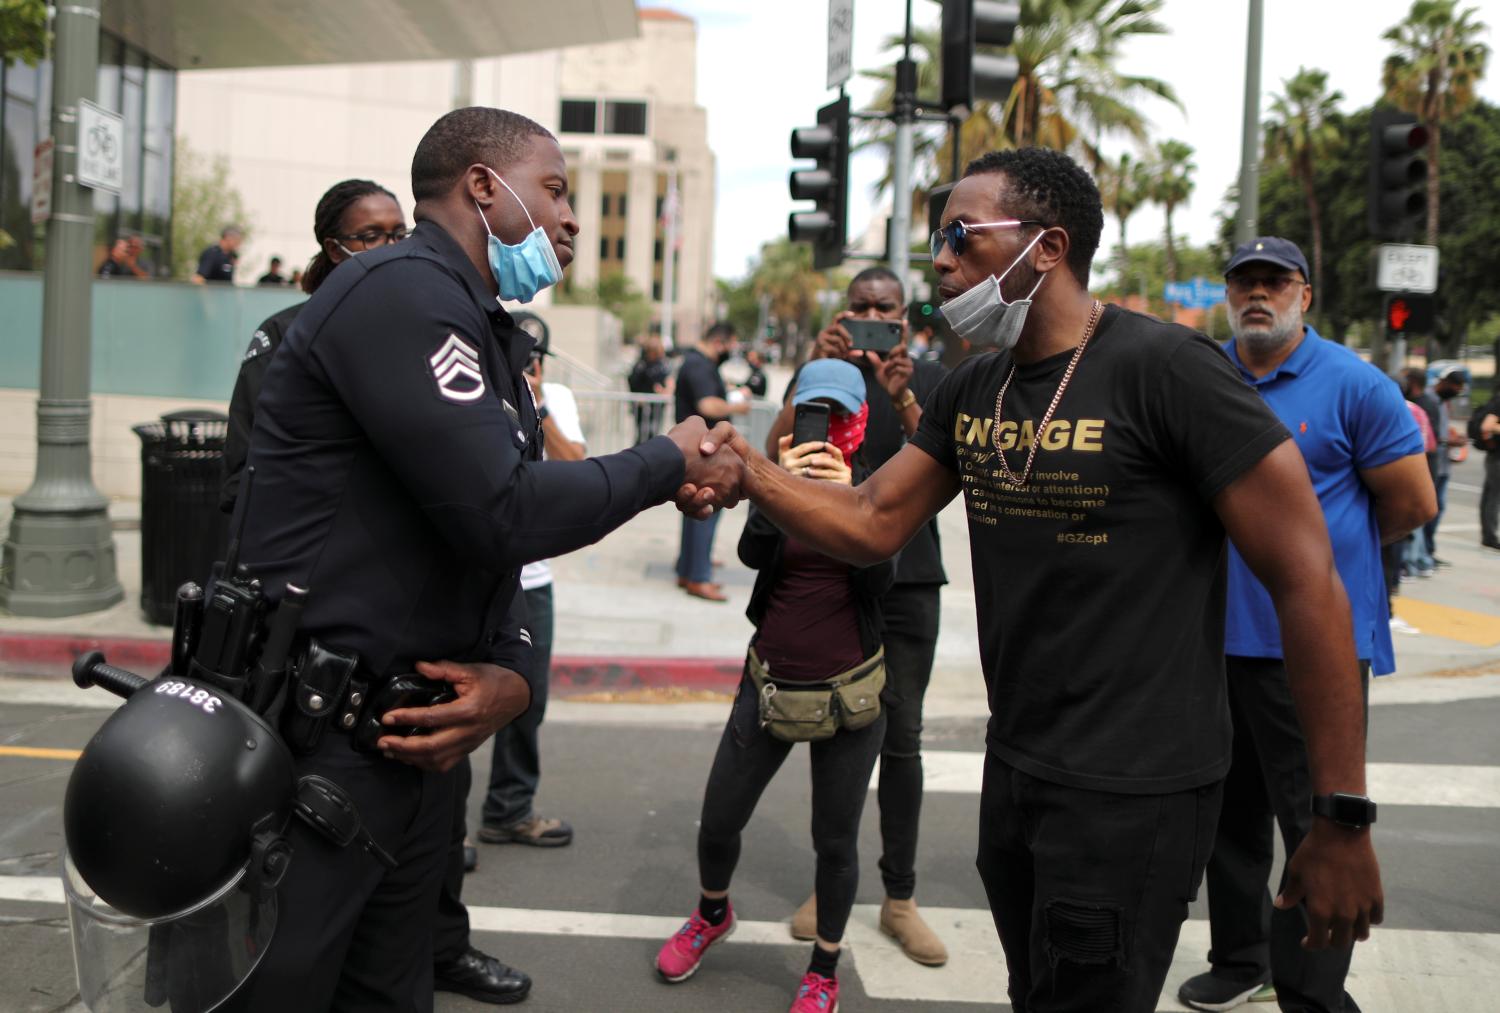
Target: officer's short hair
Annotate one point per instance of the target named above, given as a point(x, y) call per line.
point(721, 331)
point(476, 135)
point(231, 230)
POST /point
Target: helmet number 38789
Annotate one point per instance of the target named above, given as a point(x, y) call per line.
point(195, 695)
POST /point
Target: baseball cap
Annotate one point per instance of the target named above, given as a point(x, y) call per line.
point(831, 378)
point(537, 328)
point(1271, 250)
point(1454, 373)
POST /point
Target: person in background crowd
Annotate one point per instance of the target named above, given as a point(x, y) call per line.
point(352, 217)
point(817, 624)
point(296, 279)
point(1484, 430)
point(895, 389)
point(1393, 556)
point(122, 261)
point(1365, 458)
point(755, 383)
point(216, 262)
point(273, 275)
point(700, 391)
point(516, 769)
point(1451, 382)
point(650, 375)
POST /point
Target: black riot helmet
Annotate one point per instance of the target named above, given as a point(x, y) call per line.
point(173, 819)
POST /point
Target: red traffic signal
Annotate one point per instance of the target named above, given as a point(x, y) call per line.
point(1407, 314)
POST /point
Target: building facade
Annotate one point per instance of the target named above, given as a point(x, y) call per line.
point(624, 112)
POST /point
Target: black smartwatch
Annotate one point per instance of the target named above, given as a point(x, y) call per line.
point(1355, 811)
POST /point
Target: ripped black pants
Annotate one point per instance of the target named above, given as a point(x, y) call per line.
point(1089, 889)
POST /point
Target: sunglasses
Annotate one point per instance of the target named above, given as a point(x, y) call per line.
point(956, 233)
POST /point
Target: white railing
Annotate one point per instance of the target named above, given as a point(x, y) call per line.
point(612, 420)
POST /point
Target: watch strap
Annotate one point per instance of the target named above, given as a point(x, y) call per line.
point(1346, 810)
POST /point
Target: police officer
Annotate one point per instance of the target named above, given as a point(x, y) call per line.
point(397, 479)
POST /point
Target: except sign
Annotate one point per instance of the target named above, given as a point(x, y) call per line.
point(840, 41)
point(101, 147)
point(41, 181)
point(1403, 268)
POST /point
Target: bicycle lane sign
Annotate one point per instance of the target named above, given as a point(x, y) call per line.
point(101, 147)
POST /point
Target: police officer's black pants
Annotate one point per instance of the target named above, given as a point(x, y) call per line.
point(1089, 889)
point(911, 631)
point(450, 934)
point(1268, 777)
point(353, 935)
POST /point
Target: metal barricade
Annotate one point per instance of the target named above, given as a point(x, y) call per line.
point(616, 420)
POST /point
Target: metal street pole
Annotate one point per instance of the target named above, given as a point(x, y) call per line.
point(903, 108)
point(59, 555)
point(1247, 220)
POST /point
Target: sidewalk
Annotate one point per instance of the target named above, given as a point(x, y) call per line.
point(624, 627)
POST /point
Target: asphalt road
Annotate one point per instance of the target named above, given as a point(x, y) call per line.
point(585, 921)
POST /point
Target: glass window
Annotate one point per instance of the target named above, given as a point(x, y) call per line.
point(624, 117)
point(620, 248)
point(107, 92)
point(132, 98)
point(604, 248)
point(18, 139)
point(604, 205)
point(622, 206)
point(657, 251)
point(579, 116)
point(656, 291)
point(21, 81)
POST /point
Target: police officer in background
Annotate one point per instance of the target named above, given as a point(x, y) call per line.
point(397, 478)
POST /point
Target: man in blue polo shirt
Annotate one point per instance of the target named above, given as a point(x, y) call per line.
point(1364, 455)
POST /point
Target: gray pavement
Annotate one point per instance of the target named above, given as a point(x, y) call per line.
point(631, 784)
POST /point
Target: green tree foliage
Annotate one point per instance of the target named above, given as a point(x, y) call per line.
point(1170, 174)
point(1470, 259)
point(1124, 185)
point(1300, 134)
point(1143, 272)
point(617, 294)
point(1437, 64)
point(23, 30)
point(739, 305)
point(203, 202)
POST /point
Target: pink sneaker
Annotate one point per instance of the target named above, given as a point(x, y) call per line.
point(680, 956)
point(816, 994)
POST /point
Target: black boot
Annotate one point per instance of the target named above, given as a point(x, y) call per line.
point(480, 976)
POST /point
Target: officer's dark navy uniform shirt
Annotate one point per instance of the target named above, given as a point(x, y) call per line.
point(216, 265)
point(396, 463)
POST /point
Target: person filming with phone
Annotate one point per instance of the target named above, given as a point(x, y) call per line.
point(871, 333)
point(813, 673)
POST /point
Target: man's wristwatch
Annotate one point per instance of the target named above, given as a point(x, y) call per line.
point(905, 401)
point(542, 413)
point(1354, 811)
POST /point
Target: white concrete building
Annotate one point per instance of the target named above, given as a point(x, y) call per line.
point(289, 133)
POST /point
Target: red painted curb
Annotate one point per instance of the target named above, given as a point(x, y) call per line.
point(51, 655)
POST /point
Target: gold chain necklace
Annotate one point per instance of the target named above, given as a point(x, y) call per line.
point(1036, 440)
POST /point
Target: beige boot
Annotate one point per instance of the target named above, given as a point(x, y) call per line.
point(805, 919)
point(899, 920)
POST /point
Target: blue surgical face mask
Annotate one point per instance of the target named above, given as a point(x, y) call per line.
point(526, 268)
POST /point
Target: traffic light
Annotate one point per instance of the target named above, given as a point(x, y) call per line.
point(827, 185)
point(1398, 174)
point(970, 75)
point(1407, 314)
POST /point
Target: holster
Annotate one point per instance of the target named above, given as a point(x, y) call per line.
point(324, 690)
point(810, 711)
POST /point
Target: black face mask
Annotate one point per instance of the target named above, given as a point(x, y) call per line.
point(1447, 393)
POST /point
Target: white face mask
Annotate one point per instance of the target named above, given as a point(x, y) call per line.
point(981, 316)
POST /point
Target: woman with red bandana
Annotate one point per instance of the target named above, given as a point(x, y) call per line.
point(817, 643)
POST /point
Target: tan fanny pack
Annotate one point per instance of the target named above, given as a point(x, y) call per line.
point(810, 711)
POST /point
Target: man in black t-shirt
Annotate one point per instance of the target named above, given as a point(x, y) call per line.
point(896, 387)
point(1099, 489)
point(700, 391)
point(216, 263)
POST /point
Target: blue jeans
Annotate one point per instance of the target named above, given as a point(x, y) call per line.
point(516, 768)
point(695, 556)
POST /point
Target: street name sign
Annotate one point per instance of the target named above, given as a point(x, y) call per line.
point(840, 41)
point(1200, 293)
point(101, 147)
point(1403, 268)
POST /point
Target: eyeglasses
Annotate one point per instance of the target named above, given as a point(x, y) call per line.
point(371, 238)
point(956, 233)
point(1274, 284)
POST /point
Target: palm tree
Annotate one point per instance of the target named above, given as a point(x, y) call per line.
point(1171, 175)
point(1067, 87)
point(1300, 133)
point(1433, 72)
point(1123, 185)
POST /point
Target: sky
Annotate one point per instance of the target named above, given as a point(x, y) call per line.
point(762, 67)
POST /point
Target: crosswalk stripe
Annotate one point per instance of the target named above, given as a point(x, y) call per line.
point(1398, 970)
point(1428, 784)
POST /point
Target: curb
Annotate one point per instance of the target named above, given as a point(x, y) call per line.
point(50, 656)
